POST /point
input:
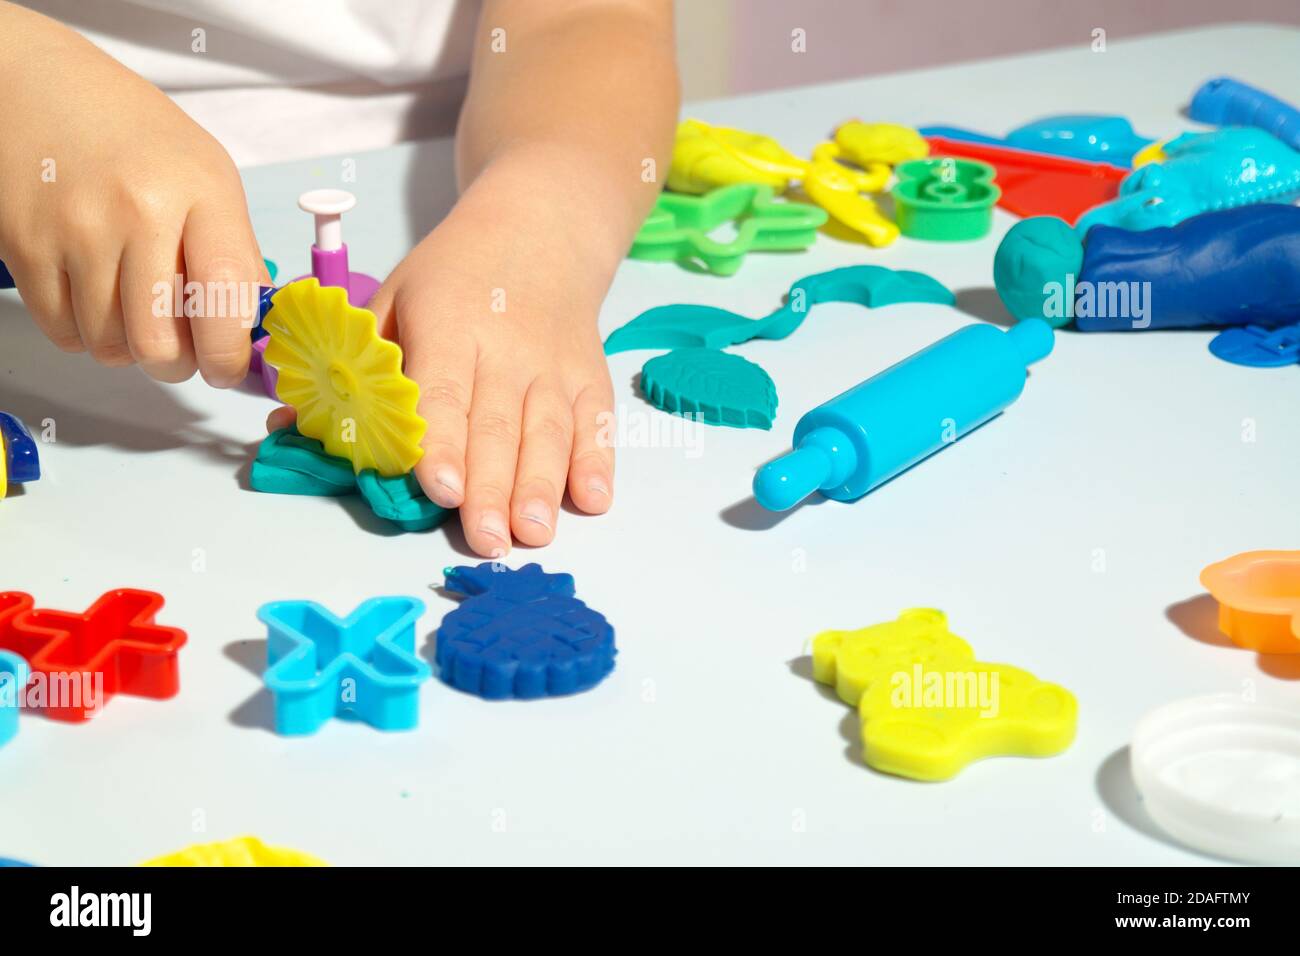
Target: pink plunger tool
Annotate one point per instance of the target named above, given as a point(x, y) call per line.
point(329, 265)
point(329, 254)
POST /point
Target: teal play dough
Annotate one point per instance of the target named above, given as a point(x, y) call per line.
point(714, 386)
point(289, 463)
point(704, 326)
point(1035, 270)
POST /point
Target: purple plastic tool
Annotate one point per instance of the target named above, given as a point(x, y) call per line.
point(329, 254)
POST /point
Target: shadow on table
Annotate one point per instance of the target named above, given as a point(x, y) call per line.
point(984, 304)
point(1198, 618)
point(850, 726)
point(1121, 799)
point(89, 404)
point(258, 711)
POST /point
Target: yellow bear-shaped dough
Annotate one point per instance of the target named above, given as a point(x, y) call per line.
point(930, 723)
point(853, 660)
point(928, 708)
point(241, 851)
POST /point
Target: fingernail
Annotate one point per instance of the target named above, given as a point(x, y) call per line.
point(450, 481)
point(494, 525)
point(598, 486)
point(538, 512)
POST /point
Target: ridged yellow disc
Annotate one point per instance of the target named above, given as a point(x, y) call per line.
point(344, 380)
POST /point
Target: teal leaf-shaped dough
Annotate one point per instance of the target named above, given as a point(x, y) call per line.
point(681, 326)
point(712, 386)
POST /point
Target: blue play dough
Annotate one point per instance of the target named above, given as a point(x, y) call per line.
point(22, 461)
point(1233, 267)
point(521, 634)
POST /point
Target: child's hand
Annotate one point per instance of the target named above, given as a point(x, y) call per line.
point(110, 192)
point(495, 311)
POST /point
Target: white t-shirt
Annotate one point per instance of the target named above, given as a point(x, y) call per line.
point(276, 80)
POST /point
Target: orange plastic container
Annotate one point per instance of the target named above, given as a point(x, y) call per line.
point(1259, 599)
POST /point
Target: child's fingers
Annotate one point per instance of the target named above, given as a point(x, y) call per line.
point(222, 258)
point(444, 371)
point(281, 417)
point(591, 470)
point(47, 293)
point(159, 340)
point(97, 304)
point(543, 463)
point(490, 459)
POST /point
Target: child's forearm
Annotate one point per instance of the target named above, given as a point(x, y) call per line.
point(575, 103)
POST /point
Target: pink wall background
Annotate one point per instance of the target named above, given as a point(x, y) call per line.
point(847, 38)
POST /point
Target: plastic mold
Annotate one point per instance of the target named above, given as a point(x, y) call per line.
point(838, 189)
point(521, 634)
point(344, 380)
point(945, 199)
point(876, 430)
point(289, 463)
point(1258, 347)
point(13, 683)
point(112, 648)
point(851, 661)
point(930, 721)
point(707, 157)
point(1227, 102)
point(1222, 775)
point(679, 227)
point(364, 665)
point(712, 386)
point(885, 143)
point(241, 851)
point(1093, 138)
point(1259, 599)
point(703, 326)
point(1035, 184)
point(19, 460)
point(1202, 172)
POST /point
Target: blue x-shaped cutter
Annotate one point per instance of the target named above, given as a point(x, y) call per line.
point(362, 666)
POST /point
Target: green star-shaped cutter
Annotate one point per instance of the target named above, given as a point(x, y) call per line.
point(678, 228)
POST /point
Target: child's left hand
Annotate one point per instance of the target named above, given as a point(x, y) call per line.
point(495, 311)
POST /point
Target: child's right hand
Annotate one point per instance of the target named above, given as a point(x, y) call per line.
point(108, 189)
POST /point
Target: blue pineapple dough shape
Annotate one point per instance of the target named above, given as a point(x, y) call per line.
point(520, 634)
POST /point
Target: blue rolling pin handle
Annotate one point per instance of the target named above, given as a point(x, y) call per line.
point(6, 280)
point(878, 429)
point(1224, 101)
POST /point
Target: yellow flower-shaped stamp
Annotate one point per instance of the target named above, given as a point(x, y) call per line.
point(343, 378)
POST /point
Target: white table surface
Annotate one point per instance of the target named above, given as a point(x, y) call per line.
point(708, 743)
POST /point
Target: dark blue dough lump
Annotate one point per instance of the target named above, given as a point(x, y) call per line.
point(521, 634)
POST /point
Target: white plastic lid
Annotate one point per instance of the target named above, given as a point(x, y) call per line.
point(1222, 775)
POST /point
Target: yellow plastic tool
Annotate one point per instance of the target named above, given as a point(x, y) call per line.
point(868, 144)
point(706, 157)
point(4, 468)
point(344, 380)
point(241, 851)
point(852, 661)
point(928, 708)
point(930, 721)
point(839, 190)
point(837, 177)
point(1150, 153)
